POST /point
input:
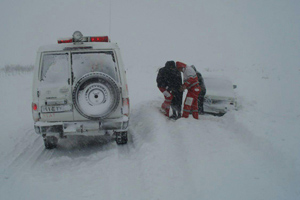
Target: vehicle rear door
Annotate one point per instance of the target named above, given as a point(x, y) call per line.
point(54, 91)
point(105, 90)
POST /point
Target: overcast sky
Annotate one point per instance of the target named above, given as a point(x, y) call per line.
point(149, 32)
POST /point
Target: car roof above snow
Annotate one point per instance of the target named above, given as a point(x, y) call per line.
point(78, 46)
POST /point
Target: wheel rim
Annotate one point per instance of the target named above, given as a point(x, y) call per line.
point(96, 95)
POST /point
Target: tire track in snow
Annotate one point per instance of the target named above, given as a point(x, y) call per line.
point(29, 155)
point(14, 173)
point(161, 159)
point(22, 149)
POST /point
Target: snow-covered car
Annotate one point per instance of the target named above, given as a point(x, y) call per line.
point(219, 97)
point(80, 88)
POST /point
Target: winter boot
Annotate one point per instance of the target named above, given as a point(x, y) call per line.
point(200, 111)
point(178, 115)
point(195, 115)
point(185, 114)
point(174, 115)
point(167, 112)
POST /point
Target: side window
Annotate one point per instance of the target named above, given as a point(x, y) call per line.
point(83, 63)
point(55, 68)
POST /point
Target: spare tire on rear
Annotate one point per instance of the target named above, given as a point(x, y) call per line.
point(96, 95)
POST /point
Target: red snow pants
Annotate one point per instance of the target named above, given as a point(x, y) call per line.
point(165, 106)
point(191, 102)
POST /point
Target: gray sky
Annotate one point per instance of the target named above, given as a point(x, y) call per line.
point(149, 32)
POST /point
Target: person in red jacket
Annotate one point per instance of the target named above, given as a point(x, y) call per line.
point(191, 83)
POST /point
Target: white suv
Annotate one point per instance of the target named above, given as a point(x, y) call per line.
point(80, 88)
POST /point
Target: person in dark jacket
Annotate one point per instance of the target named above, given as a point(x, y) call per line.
point(169, 81)
point(202, 93)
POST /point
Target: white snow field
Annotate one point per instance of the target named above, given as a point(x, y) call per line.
point(252, 153)
point(249, 154)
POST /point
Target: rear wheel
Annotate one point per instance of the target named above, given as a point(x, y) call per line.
point(50, 142)
point(121, 138)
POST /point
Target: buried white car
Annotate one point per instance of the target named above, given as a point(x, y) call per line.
point(220, 96)
point(80, 88)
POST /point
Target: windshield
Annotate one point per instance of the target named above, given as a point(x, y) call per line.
point(83, 63)
point(55, 68)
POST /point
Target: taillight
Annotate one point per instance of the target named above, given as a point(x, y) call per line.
point(100, 39)
point(126, 107)
point(34, 107)
point(35, 113)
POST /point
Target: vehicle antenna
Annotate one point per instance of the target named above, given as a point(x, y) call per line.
point(109, 19)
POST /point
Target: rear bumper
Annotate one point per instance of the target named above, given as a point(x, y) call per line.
point(87, 128)
point(219, 106)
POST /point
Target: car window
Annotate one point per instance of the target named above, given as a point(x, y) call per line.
point(83, 63)
point(55, 68)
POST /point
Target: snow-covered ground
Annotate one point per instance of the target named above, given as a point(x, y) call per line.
point(252, 153)
point(249, 154)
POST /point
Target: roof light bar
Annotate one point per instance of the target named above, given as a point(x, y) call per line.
point(100, 39)
point(79, 38)
point(66, 40)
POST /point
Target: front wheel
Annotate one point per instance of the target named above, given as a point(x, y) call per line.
point(50, 142)
point(121, 138)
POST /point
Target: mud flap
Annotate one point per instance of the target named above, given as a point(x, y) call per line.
point(121, 138)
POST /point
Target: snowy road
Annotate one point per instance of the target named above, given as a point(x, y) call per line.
point(237, 156)
point(249, 154)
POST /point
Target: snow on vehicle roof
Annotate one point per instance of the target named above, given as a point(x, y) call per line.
point(93, 45)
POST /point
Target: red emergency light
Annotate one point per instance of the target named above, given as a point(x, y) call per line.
point(100, 39)
point(79, 38)
point(68, 40)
